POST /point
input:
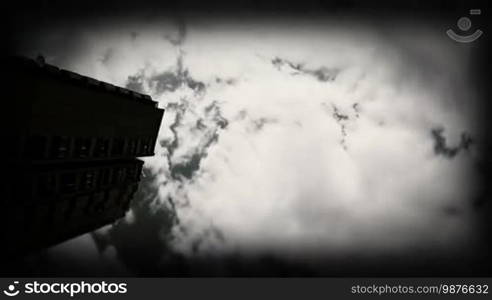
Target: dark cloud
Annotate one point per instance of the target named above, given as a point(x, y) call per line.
point(107, 56)
point(135, 83)
point(171, 80)
point(172, 144)
point(261, 122)
point(337, 115)
point(200, 124)
point(186, 168)
point(179, 38)
point(323, 74)
point(278, 63)
point(213, 110)
point(193, 84)
point(356, 108)
point(167, 81)
point(341, 120)
point(210, 136)
point(441, 147)
point(227, 81)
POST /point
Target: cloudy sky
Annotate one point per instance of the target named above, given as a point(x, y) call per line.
point(297, 139)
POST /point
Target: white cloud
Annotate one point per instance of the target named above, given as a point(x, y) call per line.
point(291, 188)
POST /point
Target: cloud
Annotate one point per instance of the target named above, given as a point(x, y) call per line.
point(323, 140)
point(322, 73)
point(441, 148)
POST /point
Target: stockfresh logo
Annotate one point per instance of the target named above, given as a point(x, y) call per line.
point(67, 288)
point(12, 290)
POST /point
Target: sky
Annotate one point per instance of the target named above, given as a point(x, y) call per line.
point(294, 138)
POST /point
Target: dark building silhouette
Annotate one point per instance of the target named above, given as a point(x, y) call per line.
point(72, 162)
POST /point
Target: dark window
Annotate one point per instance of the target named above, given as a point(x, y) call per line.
point(35, 147)
point(88, 181)
point(130, 173)
point(46, 184)
point(114, 176)
point(68, 182)
point(99, 203)
point(102, 147)
point(89, 205)
point(107, 199)
point(118, 147)
point(105, 177)
point(146, 146)
point(83, 204)
point(82, 147)
point(151, 143)
point(107, 196)
point(143, 146)
point(120, 175)
point(70, 204)
point(132, 147)
point(60, 147)
point(60, 210)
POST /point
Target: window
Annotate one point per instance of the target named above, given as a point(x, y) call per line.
point(82, 147)
point(130, 173)
point(106, 198)
point(120, 175)
point(118, 147)
point(143, 146)
point(105, 177)
point(83, 204)
point(68, 183)
point(61, 210)
point(89, 205)
point(98, 203)
point(102, 147)
point(70, 204)
point(136, 171)
point(88, 181)
point(150, 143)
point(60, 147)
point(132, 147)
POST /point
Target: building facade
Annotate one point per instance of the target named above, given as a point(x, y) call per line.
point(73, 161)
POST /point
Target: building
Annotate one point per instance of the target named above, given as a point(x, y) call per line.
point(72, 162)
